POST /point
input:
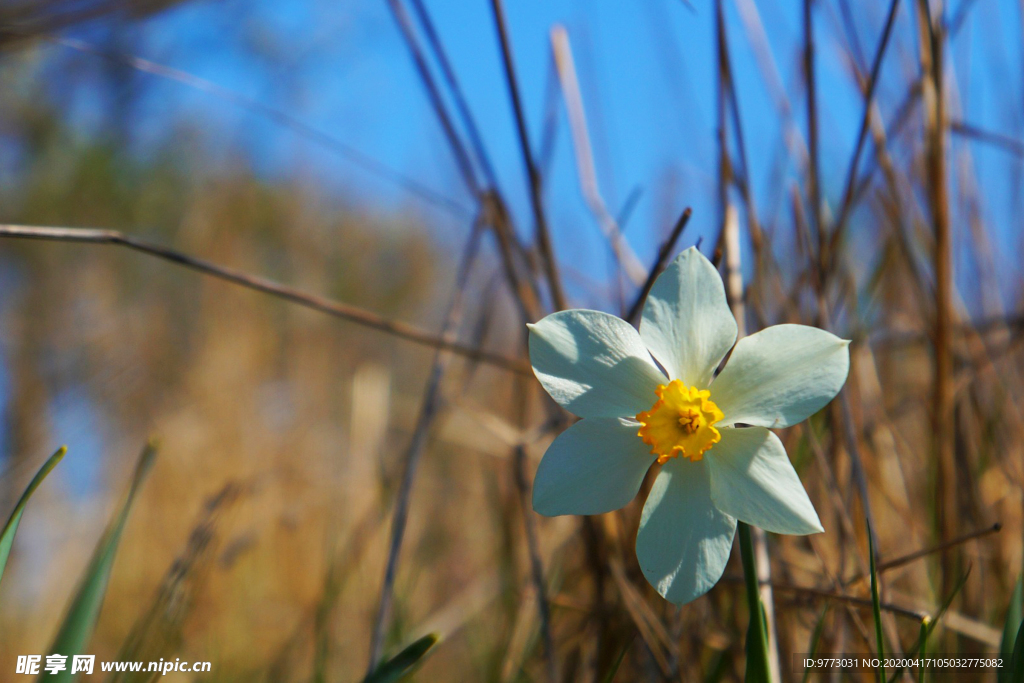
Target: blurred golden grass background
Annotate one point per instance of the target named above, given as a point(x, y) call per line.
point(260, 540)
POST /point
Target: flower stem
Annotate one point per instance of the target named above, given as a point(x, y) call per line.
point(757, 632)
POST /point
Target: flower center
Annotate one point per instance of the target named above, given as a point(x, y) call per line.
point(681, 422)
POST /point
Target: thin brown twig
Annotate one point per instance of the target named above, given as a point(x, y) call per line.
point(869, 97)
point(813, 162)
point(461, 154)
point(324, 305)
point(900, 340)
point(282, 118)
point(957, 22)
point(1004, 142)
point(461, 105)
point(895, 127)
point(925, 552)
point(850, 29)
point(522, 395)
point(651, 630)
point(829, 595)
point(664, 254)
point(532, 174)
point(429, 408)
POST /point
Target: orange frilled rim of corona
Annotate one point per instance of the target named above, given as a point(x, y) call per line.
point(680, 423)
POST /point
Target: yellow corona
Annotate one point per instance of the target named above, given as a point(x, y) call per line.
point(680, 423)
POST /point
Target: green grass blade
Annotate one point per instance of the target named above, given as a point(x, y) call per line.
point(876, 607)
point(819, 628)
point(1017, 659)
point(923, 650)
point(393, 669)
point(610, 676)
point(81, 617)
point(1010, 628)
point(11, 528)
point(758, 670)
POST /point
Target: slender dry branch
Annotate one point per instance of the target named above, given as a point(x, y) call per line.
point(813, 161)
point(461, 154)
point(1013, 323)
point(904, 560)
point(957, 22)
point(532, 174)
point(829, 595)
point(1003, 142)
point(280, 117)
point(429, 408)
point(318, 303)
point(664, 254)
point(869, 97)
point(461, 105)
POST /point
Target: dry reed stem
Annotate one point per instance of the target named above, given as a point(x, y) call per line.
point(942, 417)
point(625, 258)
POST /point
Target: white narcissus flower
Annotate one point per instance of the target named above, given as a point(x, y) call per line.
point(714, 471)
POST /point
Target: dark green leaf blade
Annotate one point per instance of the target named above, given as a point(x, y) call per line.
point(876, 606)
point(1010, 628)
point(758, 669)
point(1017, 660)
point(399, 665)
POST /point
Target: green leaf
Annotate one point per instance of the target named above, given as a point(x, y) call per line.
point(1010, 628)
point(758, 670)
point(74, 633)
point(876, 607)
point(930, 624)
point(819, 628)
point(399, 665)
point(11, 528)
point(1017, 660)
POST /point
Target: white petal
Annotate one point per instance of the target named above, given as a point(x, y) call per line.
point(593, 364)
point(781, 375)
point(753, 481)
point(595, 466)
point(687, 323)
point(684, 540)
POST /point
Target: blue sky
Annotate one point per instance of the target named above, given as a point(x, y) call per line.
point(648, 77)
